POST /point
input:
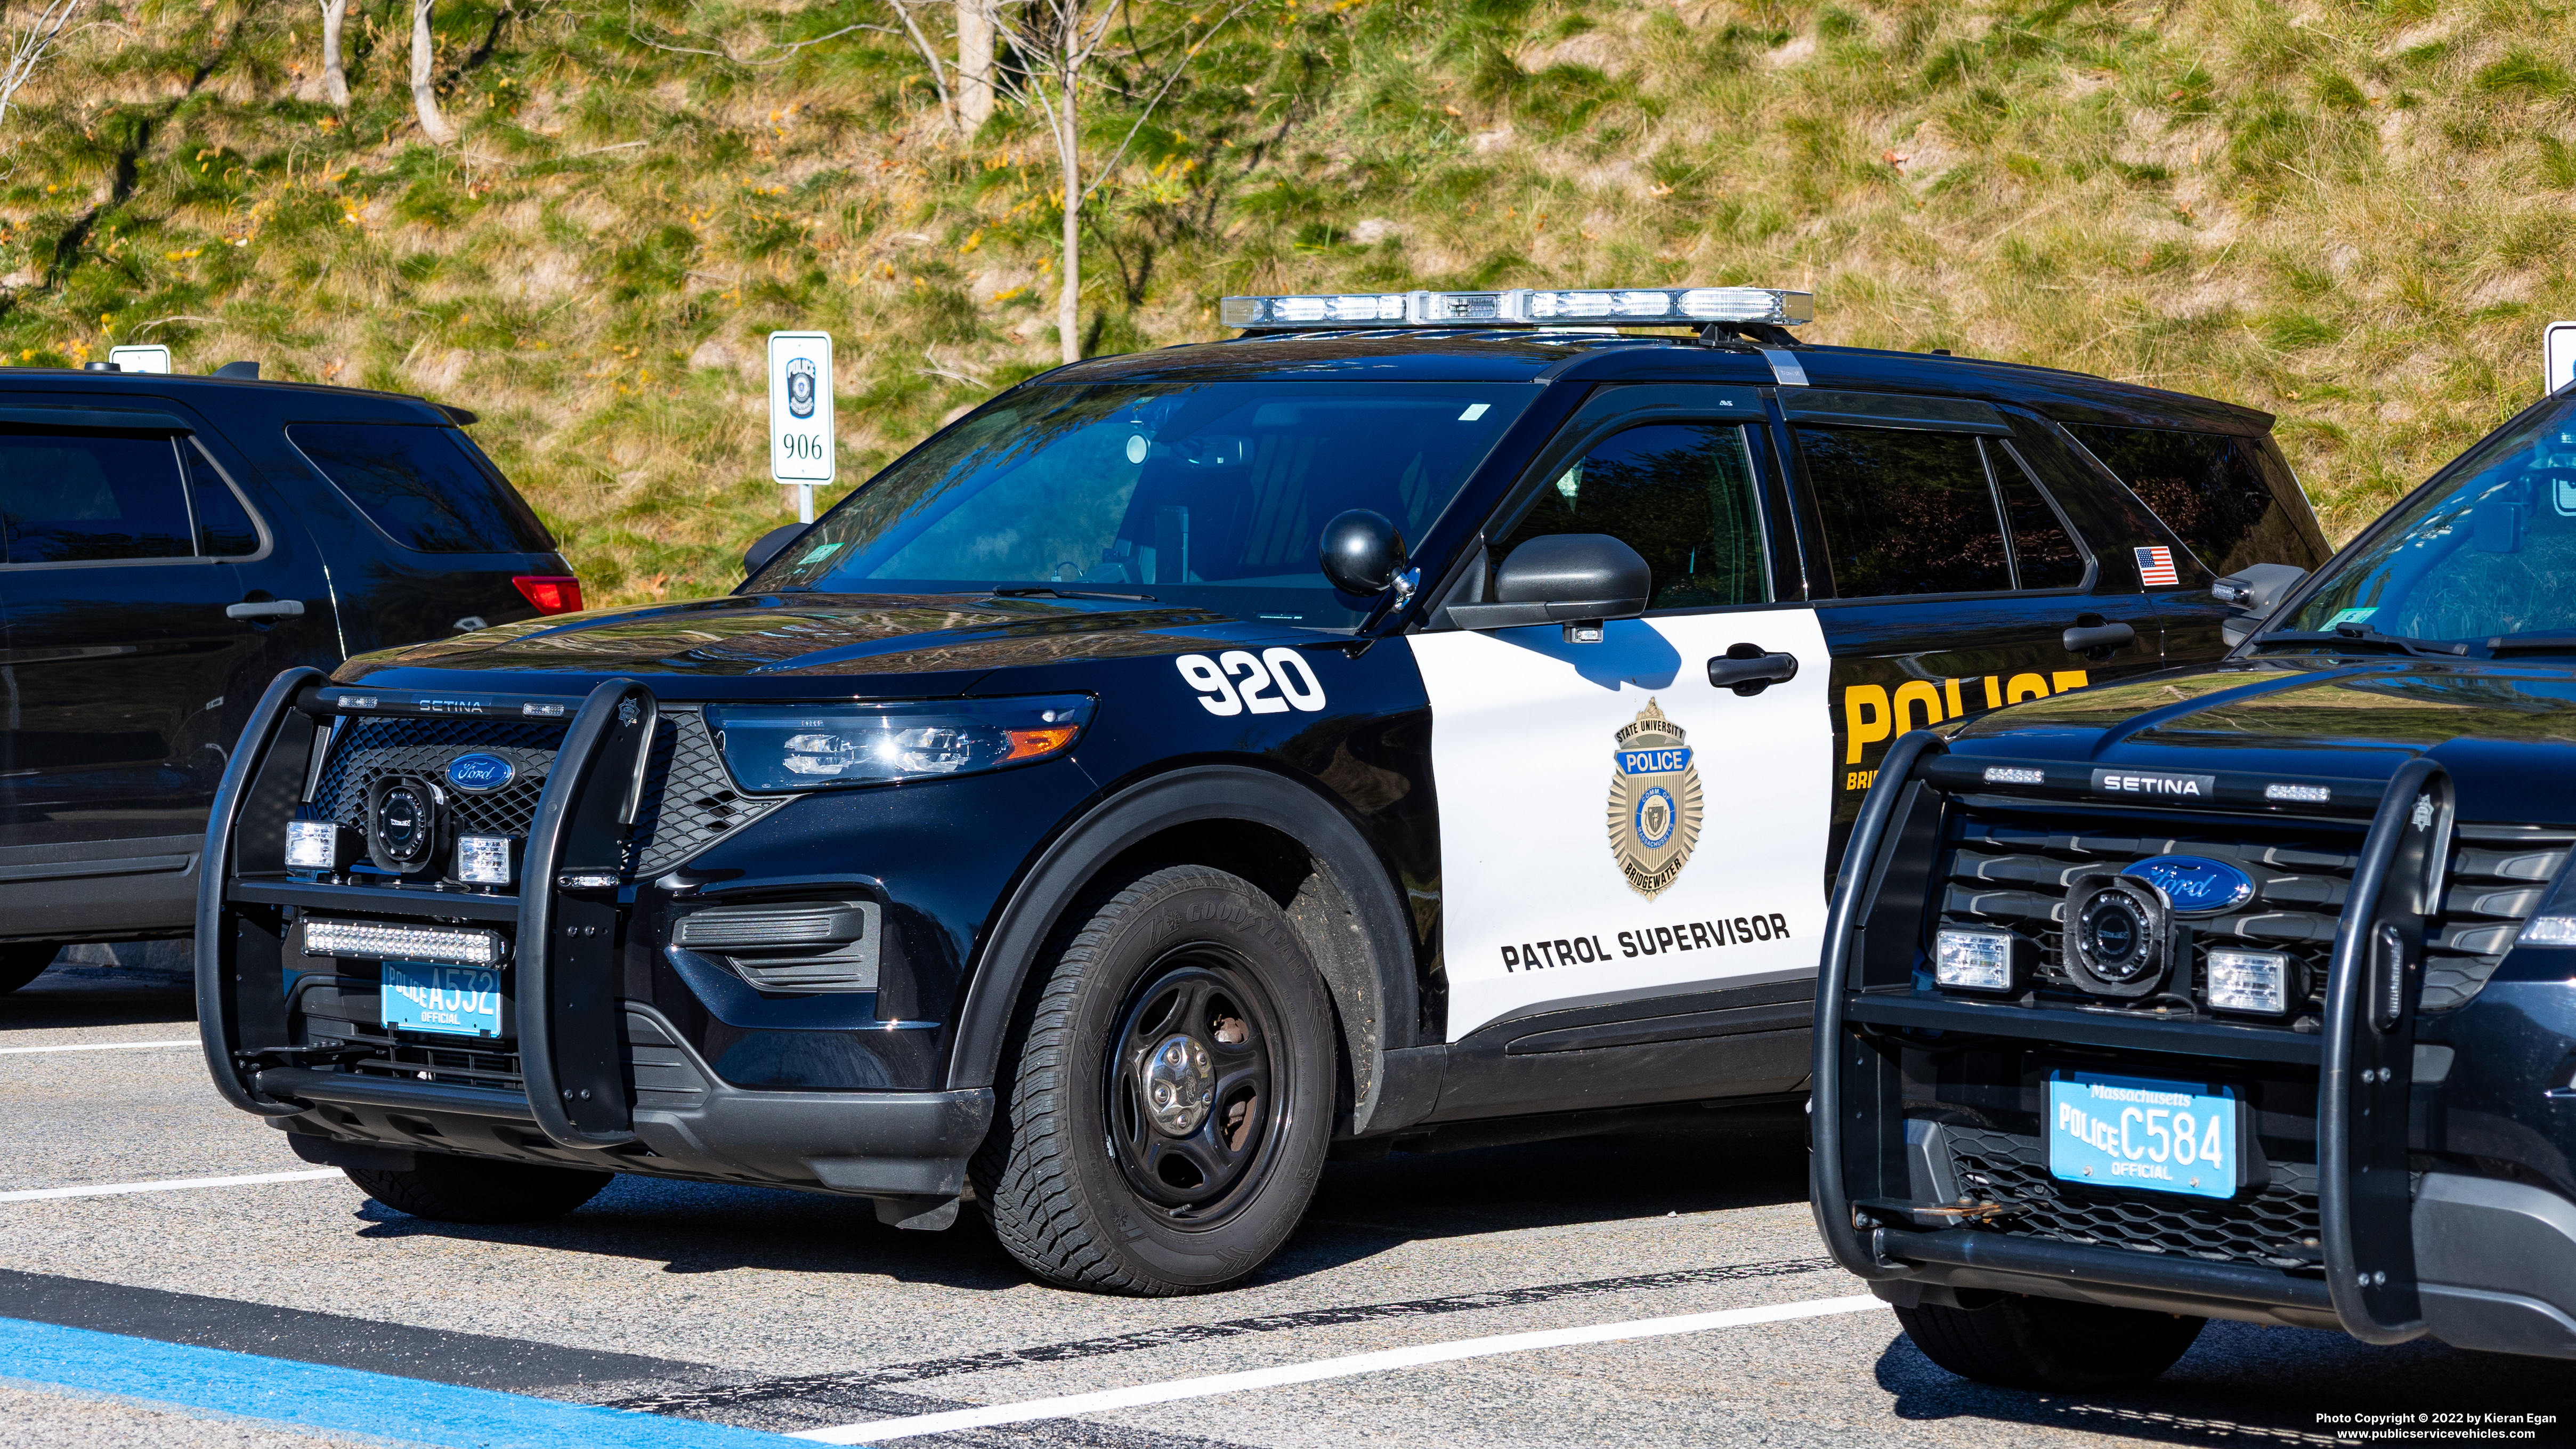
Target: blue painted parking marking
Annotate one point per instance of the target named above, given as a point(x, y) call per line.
point(336, 1400)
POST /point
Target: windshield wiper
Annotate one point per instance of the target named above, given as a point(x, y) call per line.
point(2533, 644)
point(1041, 591)
point(2367, 637)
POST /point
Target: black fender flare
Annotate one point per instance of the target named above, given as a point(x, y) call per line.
point(1370, 976)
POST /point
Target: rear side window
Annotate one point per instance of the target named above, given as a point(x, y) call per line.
point(224, 527)
point(1681, 495)
point(424, 486)
point(2208, 488)
point(82, 499)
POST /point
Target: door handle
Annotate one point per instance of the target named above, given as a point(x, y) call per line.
point(265, 609)
point(2095, 638)
point(1747, 670)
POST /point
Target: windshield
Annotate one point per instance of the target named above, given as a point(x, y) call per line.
point(1213, 495)
point(2488, 556)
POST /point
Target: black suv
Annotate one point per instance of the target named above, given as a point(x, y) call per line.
point(1405, 732)
point(2239, 991)
point(171, 544)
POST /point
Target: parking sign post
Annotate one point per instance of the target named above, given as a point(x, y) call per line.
point(801, 453)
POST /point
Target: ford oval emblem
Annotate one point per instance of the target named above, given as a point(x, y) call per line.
point(2197, 885)
point(480, 774)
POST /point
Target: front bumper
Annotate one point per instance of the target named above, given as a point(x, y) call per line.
point(2391, 1244)
point(588, 1075)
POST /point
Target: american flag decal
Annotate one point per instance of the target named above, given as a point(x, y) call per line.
point(2156, 566)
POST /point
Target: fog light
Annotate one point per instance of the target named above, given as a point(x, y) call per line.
point(2550, 931)
point(486, 859)
point(2247, 981)
point(1971, 959)
point(319, 844)
point(370, 941)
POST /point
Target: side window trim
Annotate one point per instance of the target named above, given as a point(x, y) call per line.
point(2074, 535)
point(177, 431)
point(224, 475)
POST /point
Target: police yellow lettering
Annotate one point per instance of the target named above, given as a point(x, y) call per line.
point(1866, 719)
point(2025, 686)
point(1907, 694)
point(2066, 679)
point(1950, 690)
point(1994, 692)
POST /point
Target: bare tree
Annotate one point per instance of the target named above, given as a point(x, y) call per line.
point(974, 64)
point(30, 46)
point(1056, 43)
point(335, 76)
point(424, 96)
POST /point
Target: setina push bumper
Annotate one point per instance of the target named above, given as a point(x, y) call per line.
point(2025, 1138)
point(558, 1064)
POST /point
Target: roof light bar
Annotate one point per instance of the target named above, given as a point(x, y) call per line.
point(1522, 307)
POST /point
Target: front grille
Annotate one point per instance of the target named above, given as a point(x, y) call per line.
point(2016, 870)
point(456, 1066)
point(689, 800)
point(2277, 1227)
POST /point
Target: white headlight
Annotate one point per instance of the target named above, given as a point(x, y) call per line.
point(371, 941)
point(2550, 931)
point(485, 859)
point(1973, 958)
point(2247, 981)
point(317, 844)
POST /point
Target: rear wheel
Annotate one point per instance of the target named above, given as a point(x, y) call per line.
point(449, 1189)
point(2020, 1342)
point(1164, 1123)
point(22, 964)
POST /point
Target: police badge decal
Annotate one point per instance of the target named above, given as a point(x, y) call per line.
point(1654, 802)
point(800, 387)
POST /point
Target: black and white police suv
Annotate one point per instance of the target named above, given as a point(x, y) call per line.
point(2241, 991)
point(1425, 710)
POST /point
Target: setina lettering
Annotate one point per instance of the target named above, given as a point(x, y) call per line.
point(1648, 941)
point(2141, 782)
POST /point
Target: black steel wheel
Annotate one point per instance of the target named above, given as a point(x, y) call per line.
point(1163, 1123)
point(2022, 1342)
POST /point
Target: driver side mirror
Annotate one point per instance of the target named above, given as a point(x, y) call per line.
point(768, 545)
point(1361, 553)
point(1579, 580)
point(2255, 591)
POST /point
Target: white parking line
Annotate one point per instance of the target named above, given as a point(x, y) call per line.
point(170, 1184)
point(1329, 1368)
point(101, 1046)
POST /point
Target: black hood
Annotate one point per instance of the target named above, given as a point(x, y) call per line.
point(2506, 732)
point(917, 644)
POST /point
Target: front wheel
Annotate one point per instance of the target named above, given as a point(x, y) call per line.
point(2021, 1342)
point(1164, 1124)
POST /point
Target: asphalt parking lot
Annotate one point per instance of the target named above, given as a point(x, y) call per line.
point(1659, 1288)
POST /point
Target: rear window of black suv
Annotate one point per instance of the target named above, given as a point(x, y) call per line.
point(427, 487)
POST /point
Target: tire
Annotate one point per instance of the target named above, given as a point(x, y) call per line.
point(2020, 1342)
point(1163, 1121)
point(22, 964)
point(449, 1189)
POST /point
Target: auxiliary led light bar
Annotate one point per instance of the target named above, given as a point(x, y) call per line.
point(371, 941)
point(1522, 307)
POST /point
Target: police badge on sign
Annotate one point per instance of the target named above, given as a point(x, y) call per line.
point(800, 387)
point(1654, 802)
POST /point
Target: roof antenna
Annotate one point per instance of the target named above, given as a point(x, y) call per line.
point(238, 369)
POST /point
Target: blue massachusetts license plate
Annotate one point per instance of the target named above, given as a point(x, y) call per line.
point(457, 1000)
point(2108, 1131)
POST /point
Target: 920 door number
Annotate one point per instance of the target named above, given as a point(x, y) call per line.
point(1271, 682)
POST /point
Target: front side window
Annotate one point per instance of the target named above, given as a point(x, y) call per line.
point(1681, 495)
point(2487, 555)
point(70, 499)
point(1208, 494)
point(427, 487)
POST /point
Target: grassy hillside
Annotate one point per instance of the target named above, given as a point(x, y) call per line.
point(2355, 215)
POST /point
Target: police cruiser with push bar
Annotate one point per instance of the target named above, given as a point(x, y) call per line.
point(1429, 717)
point(2240, 991)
